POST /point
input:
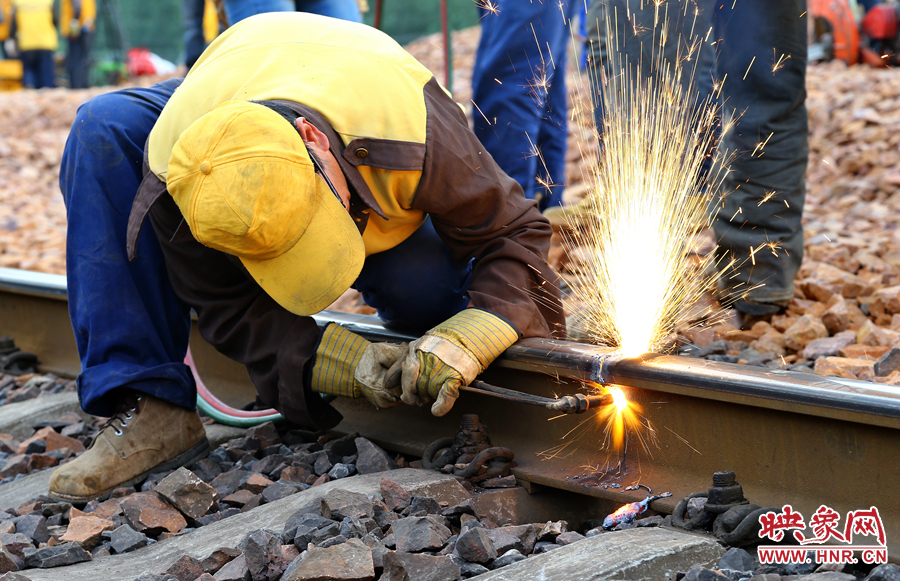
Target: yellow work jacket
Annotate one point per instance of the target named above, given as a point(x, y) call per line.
point(34, 25)
point(85, 17)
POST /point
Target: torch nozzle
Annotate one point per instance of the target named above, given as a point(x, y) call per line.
point(567, 404)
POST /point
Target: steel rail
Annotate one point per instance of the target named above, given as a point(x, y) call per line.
point(791, 438)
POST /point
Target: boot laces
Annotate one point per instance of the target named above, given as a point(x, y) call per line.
point(125, 411)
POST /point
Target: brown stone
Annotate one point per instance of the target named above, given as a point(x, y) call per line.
point(887, 299)
point(240, 498)
point(829, 368)
point(863, 351)
point(255, 483)
point(149, 513)
point(803, 331)
point(186, 568)
point(186, 492)
point(8, 562)
point(852, 368)
point(218, 558)
point(892, 379)
point(295, 474)
point(350, 561)
point(871, 334)
point(54, 440)
point(701, 336)
point(87, 531)
point(108, 508)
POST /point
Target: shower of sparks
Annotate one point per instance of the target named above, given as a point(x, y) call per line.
point(646, 202)
point(488, 6)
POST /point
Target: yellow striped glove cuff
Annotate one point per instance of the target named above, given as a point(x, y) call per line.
point(480, 333)
point(337, 356)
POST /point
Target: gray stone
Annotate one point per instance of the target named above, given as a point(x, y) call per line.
point(737, 560)
point(323, 464)
point(8, 561)
point(234, 570)
point(33, 526)
point(420, 506)
point(504, 541)
point(332, 541)
point(66, 554)
point(310, 520)
point(371, 458)
point(525, 533)
point(279, 490)
point(568, 537)
point(884, 572)
point(339, 504)
point(475, 546)
point(341, 470)
point(262, 552)
point(645, 553)
point(378, 549)
point(125, 539)
point(552, 529)
point(830, 576)
point(469, 570)
point(147, 576)
point(542, 547)
point(227, 482)
point(827, 346)
point(13, 577)
point(508, 558)
point(694, 506)
point(352, 528)
point(318, 535)
point(16, 543)
point(409, 567)
point(350, 561)
point(888, 363)
point(419, 533)
point(649, 521)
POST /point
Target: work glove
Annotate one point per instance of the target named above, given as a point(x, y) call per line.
point(349, 366)
point(451, 355)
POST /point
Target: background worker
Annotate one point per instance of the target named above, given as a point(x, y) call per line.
point(272, 187)
point(519, 91)
point(768, 103)
point(77, 19)
point(5, 20)
point(34, 29)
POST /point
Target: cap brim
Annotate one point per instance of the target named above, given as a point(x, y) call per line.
point(323, 263)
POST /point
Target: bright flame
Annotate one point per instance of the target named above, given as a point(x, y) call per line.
point(638, 274)
point(619, 399)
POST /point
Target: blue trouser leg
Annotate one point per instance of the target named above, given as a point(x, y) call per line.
point(77, 60)
point(194, 42)
point(47, 70)
point(768, 103)
point(237, 10)
point(343, 9)
point(518, 85)
point(30, 67)
point(416, 284)
point(130, 328)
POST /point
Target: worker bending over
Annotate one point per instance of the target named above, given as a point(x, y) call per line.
point(301, 155)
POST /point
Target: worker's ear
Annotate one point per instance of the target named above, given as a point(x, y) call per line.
point(311, 135)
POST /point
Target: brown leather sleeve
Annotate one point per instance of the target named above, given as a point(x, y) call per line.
point(481, 213)
point(242, 322)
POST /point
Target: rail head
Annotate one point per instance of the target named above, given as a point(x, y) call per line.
point(832, 397)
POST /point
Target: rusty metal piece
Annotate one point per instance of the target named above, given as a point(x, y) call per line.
point(13, 360)
point(489, 463)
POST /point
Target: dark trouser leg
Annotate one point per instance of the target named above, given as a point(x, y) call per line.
point(30, 67)
point(130, 328)
point(77, 60)
point(194, 42)
point(769, 104)
point(416, 284)
point(518, 117)
point(46, 75)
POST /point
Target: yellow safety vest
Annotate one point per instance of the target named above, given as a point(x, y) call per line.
point(34, 25)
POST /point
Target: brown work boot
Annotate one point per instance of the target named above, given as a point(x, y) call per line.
point(145, 435)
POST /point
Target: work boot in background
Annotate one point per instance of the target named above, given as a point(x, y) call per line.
point(145, 435)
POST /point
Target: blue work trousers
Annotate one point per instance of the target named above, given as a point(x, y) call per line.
point(78, 59)
point(764, 239)
point(519, 92)
point(130, 327)
point(194, 40)
point(37, 69)
point(237, 10)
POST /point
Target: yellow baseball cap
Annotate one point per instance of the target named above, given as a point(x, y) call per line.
point(244, 182)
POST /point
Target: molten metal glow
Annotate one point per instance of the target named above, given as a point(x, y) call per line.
point(647, 200)
point(619, 399)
